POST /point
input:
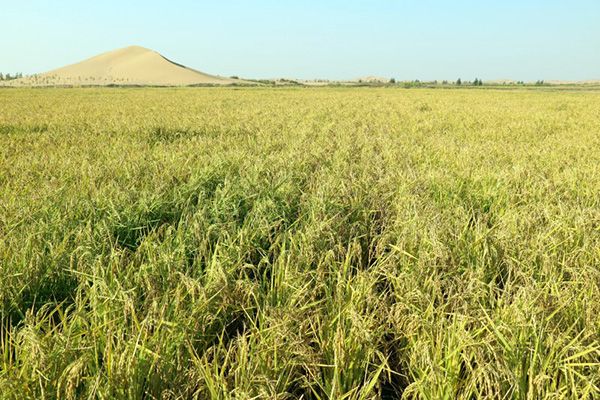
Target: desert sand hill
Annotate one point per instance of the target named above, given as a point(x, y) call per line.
point(132, 65)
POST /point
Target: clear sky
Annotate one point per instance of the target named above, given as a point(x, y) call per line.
point(333, 39)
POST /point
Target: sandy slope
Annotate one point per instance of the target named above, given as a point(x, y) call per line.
point(132, 65)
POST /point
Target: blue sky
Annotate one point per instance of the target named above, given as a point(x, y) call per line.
point(427, 39)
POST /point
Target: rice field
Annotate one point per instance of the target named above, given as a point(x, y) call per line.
point(294, 243)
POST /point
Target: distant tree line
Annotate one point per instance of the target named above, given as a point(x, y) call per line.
point(418, 83)
point(459, 82)
point(476, 82)
point(9, 77)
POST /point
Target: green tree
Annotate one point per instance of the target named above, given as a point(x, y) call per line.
point(1, 76)
point(458, 82)
point(393, 81)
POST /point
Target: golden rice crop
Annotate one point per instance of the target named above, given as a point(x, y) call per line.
point(324, 243)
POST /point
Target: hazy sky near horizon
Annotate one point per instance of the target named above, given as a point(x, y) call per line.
point(335, 39)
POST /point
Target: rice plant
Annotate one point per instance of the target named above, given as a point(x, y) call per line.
point(323, 243)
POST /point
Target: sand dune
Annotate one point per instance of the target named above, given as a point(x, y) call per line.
point(132, 65)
